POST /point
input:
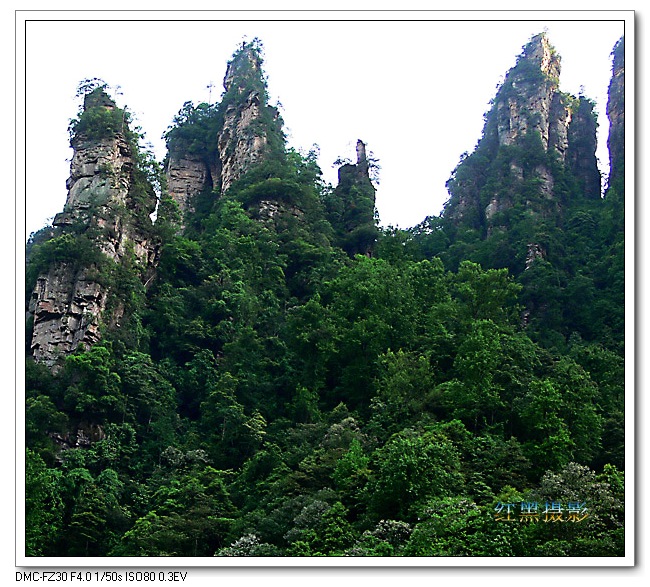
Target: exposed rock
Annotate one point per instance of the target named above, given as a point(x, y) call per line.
point(66, 305)
point(244, 128)
point(357, 195)
point(270, 210)
point(581, 153)
point(535, 251)
point(356, 173)
point(533, 126)
point(248, 120)
point(546, 181)
point(560, 120)
point(103, 214)
point(98, 174)
point(616, 115)
point(187, 176)
point(246, 66)
point(531, 103)
point(531, 88)
point(362, 158)
point(492, 208)
point(516, 171)
point(84, 437)
point(241, 142)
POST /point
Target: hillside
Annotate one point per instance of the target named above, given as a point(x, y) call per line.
point(227, 356)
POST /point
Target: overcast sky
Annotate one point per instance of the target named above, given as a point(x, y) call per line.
point(415, 91)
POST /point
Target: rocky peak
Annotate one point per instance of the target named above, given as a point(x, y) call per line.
point(356, 194)
point(616, 114)
point(581, 158)
point(105, 222)
point(356, 173)
point(533, 134)
point(246, 130)
point(527, 97)
point(361, 153)
point(540, 52)
point(250, 125)
point(98, 98)
point(244, 70)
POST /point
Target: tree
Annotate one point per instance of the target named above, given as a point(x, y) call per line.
point(405, 386)
point(456, 526)
point(150, 401)
point(320, 530)
point(474, 396)
point(43, 506)
point(549, 444)
point(351, 474)
point(410, 468)
point(230, 434)
point(191, 514)
point(485, 294)
point(92, 387)
point(600, 531)
point(249, 545)
point(98, 518)
point(42, 418)
point(387, 538)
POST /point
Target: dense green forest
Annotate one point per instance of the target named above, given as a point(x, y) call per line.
point(294, 379)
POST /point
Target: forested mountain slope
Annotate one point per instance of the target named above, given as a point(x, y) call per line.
point(227, 356)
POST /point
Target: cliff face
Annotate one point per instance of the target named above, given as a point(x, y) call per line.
point(581, 159)
point(616, 115)
point(105, 222)
point(248, 119)
point(529, 106)
point(531, 87)
point(533, 135)
point(239, 132)
point(187, 176)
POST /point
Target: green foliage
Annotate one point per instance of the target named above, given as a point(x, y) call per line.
point(99, 119)
point(297, 382)
point(601, 532)
point(92, 387)
point(486, 294)
point(195, 128)
point(230, 434)
point(97, 123)
point(249, 545)
point(350, 209)
point(190, 515)
point(404, 392)
point(76, 250)
point(320, 530)
point(352, 468)
point(411, 468)
point(42, 419)
point(43, 511)
point(386, 539)
point(194, 131)
point(456, 526)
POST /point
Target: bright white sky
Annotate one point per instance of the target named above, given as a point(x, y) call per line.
point(415, 91)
